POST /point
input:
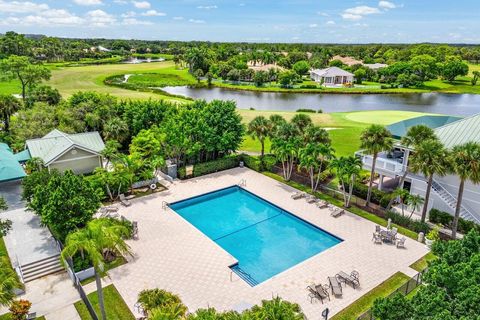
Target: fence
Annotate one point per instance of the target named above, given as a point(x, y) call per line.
point(405, 289)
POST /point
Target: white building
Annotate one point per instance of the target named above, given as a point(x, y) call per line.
point(444, 191)
point(332, 76)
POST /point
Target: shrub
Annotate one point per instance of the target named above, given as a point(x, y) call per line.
point(306, 110)
point(446, 219)
point(405, 221)
point(361, 191)
point(19, 309)
point(255, 163)
point(309, 86)
point(204, 168)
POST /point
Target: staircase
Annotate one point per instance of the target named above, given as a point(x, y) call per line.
point(451, 201)
point(41, 268)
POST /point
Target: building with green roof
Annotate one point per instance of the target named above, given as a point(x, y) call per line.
point(399, 129)
point(80, 152)
point(10, 168)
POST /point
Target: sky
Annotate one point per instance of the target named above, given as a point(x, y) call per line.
point(320, 21)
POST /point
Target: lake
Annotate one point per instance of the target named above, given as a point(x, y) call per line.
point(453, 104)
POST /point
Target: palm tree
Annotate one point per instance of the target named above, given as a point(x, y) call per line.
point(375, 139)
point(429, 159)
point(97, 241)
point(414, 201)
point(465, 160)
point(402, 195)
point(260, 128)
point(346, 169)
point(8, 106)
point(301, 121)
point(286, 152)
point(116, 129)
point(309, 159)
point(276, 120)
point(8, 282)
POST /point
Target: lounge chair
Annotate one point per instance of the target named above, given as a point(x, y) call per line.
point(401, 242)
point(335, 286)
point(311, 199)
point(318, 292)
point(134, 230)
point(350, 279)
point(124, 200)
point(322, 204)
point(298, 195)
point(378, 229)
point(337, 212)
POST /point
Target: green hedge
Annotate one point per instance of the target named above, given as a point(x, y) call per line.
point(446, 219)
point(254, 162)
point(204, 168)
point(405, 221)
point(378, 197)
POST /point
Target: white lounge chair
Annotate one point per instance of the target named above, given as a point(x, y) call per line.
point(322, 204)
point(298, 195)
point(337, 212)
point(311, 199)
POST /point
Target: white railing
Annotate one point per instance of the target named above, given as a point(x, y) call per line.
point(164, 205)
point(242, 183)
point(382, 163)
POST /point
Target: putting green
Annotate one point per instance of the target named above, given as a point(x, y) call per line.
point(383, 117)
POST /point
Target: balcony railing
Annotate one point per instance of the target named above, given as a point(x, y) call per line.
point(382, 163)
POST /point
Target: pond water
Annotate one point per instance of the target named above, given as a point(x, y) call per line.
point(453, 104)
point(142, 60)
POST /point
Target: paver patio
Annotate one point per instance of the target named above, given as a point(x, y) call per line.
point(173, 255)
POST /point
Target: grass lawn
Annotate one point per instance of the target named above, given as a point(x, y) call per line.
point(422, 263)
point(3, 250)
point(345, 127)
point(8, 317)
point(10, 87)
point(366, 301)
point(115, 307)
point(108, 266)
point(359, 212)
point(168, 77)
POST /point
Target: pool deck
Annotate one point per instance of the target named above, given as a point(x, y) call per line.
point(172, 254)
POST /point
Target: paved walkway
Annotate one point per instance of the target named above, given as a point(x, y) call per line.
point(173, 255)
point(28, 241)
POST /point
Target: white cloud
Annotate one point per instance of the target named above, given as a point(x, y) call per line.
point(88, 2)
point(387, 5)
point(21, 7)
point(357, 13)
point(100, 18)
point(178, 18)
point(207, 7)
point(121, 2)
point(153, 13)
point(196, 21)
point(135, 22)
point(330, 22)
point(128, 14)
point(141, 4)
point(324, 14)
point(313, 25)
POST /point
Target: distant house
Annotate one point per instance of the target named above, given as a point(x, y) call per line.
point(331, 76)
point(375, 66)
point(77, 152)
point(349, 61)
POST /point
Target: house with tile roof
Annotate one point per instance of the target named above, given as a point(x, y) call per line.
point(393, 164)
point(332, 76)
point(80, 152)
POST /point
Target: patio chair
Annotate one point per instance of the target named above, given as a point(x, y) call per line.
point(377, 238)
point(124, 201)
point(322, 204)
point(298, 195)
point(335, 286)
point(337, 212)
point(317, 292)
point(311, 199)
point(378, 229)
point(350, 279)
point(394, 232)
point(134, 230)
point(401, 242)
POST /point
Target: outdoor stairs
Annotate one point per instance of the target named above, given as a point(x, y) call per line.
point(41, 268)
point(451, 201)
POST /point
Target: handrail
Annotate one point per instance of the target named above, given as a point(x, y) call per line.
point(18, 268)
point(436, 185)
point(382, 163)
point(247, 277)
point(164, 205)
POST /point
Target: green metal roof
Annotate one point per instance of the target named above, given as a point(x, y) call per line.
point(22, 156)
point(460, 132)
point(56, 143)
point(10, 168)
point(399, 129)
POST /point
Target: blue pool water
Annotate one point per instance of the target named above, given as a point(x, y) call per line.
point(265, 239)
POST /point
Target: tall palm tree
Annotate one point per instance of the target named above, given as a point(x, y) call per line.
point(116, 129)
point(309, 159)
point(260, 128)
point(346, 170)
point(96, 242)
point(8, 282)
point(302, 121)
point(415, 135)
point(465, 162)
point(374, 139)
point(429, 159)
point(8, 106)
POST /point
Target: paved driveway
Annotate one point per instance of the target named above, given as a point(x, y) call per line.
point(12, 192)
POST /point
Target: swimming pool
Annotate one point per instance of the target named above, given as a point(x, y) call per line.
point(265, 239)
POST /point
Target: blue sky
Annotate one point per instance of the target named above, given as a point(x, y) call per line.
point(320, 21)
